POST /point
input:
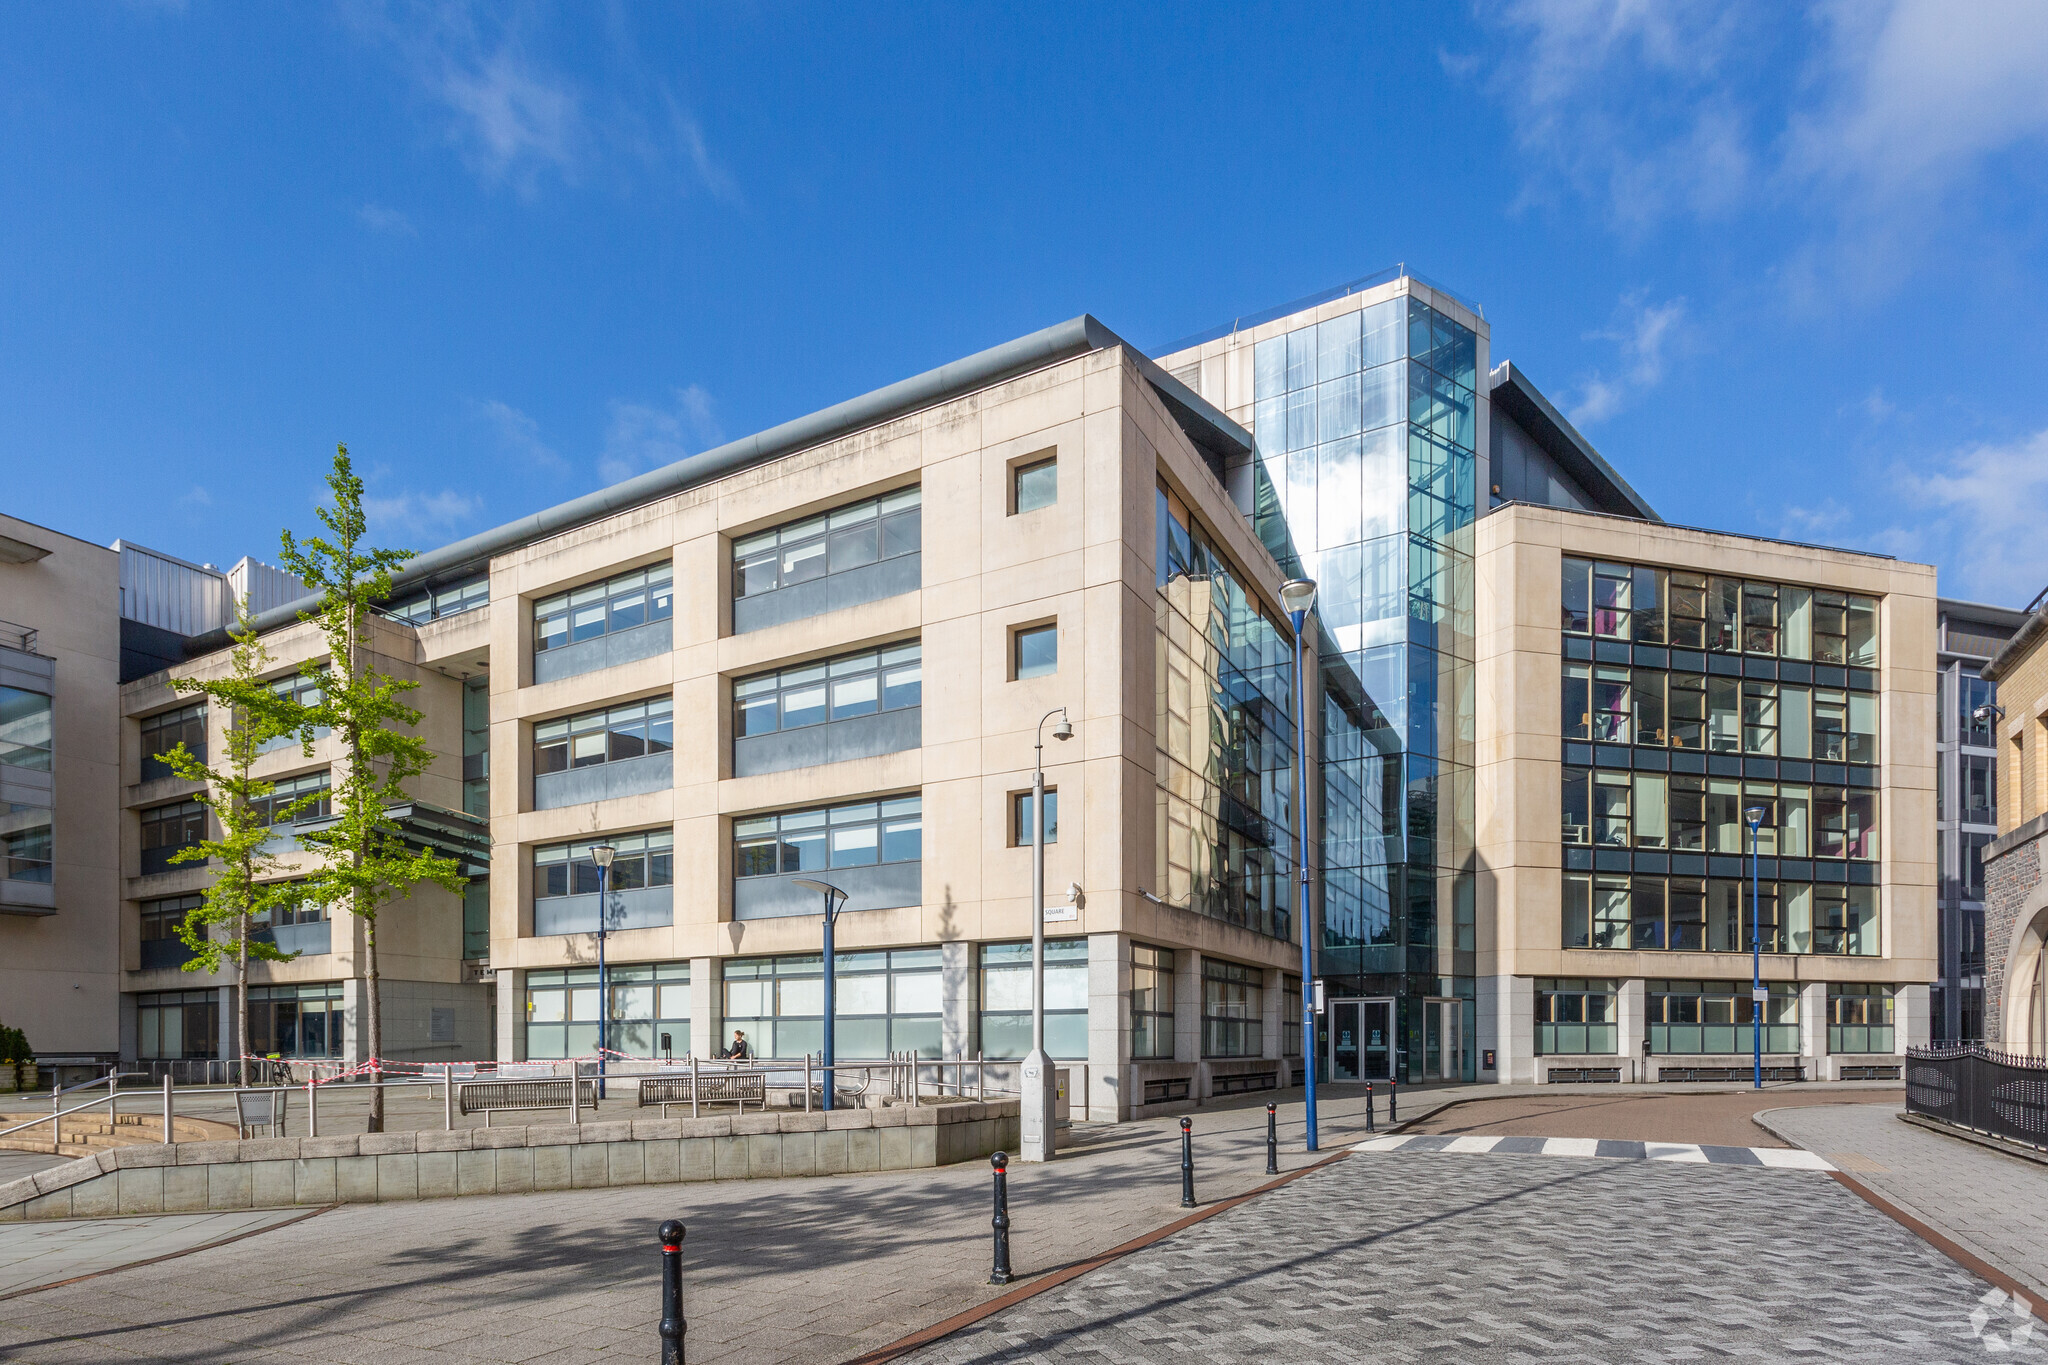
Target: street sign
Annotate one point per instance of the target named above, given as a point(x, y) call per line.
point(1062, 914)
point(1761, 995)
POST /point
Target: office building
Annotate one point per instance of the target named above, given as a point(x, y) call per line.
point(2015, 891)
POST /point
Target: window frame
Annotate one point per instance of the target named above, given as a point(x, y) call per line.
point(652, 717)
point(893, 514)
point(1035, 631)
point(1038, 462)
point(829, 676)
point(655, 583)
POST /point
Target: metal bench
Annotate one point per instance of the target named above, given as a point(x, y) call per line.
point(499, 1097)
point(711, 1087)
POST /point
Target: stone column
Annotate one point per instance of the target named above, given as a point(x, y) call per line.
point(355, 1004)
point(1273, 1024)
point(1910, 1024)
point(707, 1005)
point(956, 1025)
point(1813, 1030)
point(1187, 1016)
point(1632, 1007)
point(1109, 1031)
point(511, 995)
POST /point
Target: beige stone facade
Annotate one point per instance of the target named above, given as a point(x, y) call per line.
point(2015, 891)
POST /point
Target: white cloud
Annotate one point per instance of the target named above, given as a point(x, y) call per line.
point(377, 218)
point(419, 518)
point(513, 119)
point(642, 437)
point(519, 435)
point(1983, 507)
point(196, 496)
point(1644, 332)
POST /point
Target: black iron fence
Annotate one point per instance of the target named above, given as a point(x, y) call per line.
point(1971, 1086)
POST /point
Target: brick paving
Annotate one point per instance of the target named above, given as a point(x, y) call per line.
point(1993, 1205)
point(1642, 1114)
point(1400, 1257)
point(37, 1254)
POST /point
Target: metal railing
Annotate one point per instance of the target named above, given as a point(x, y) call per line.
point(1999, 1094)
point(22, 638)
point(58, 1113)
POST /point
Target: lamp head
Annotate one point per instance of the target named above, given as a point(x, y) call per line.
point(1755, 815)
point(834, 897)
point(603, 854)
point(1063, 730)
point(1297, 595)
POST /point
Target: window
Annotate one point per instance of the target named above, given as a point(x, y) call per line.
point(1575, 1016)
point(1760, 718)
point(1020, 817)
point(1845, 920)
point(1830, 628)
point(176, 1025)
point(1578, 597)
point(608, 736)
point(25, 729)
point(298, 908)
point(25, 843)
point(1612, 596)
point(1613, 709)
point(1724, 609)
point(1647, 605)
point(1290, 1016)
point(300, 689)
point(859, 834)
point(1006, 999)
point(621, 603)
point(649, 1000)
point(1611, 793)
point(283, 806)
point(1688, 813)
point(641, 860)
point(452, 600)
point(885, 1002)
point(1151, 1001)
point(1034, 651)
point(1716, 1017)
point(1578, 806)
point(1578, 701)
point(1759, 618)
point(476, 746)
point(1648, 687)
point(1860, 1018)
point(161, 918)
point(1973, 865)
point(1233, 1009)
point(833, 542)
point(168, 829)
point(1688, 610)
point(1724, 735)
point(161, 733)
point(1979, 789)
point(1973, 694)
point(1034, 485)
point(890, 679)
point(1688, 711)
point(296, 1021)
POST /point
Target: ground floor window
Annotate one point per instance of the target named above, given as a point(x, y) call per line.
point(650, 1011)
point(1151, 1002)
point(1575, 1015)
point(1689, 1017)
point(1006, 999)
point(1290, 1016)
point(172, 1025)
point(885, 1002)
point(296, 1021)
point(1860, 1018)
point(1233, 1009)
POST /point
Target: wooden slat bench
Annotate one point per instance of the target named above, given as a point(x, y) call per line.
point(710, 1087)
point(500, 1097)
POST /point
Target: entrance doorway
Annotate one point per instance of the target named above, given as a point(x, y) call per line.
point(1361, 1040)
point(1443, 1040)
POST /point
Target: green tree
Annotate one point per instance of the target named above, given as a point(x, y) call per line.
point(366, 860)
point(239, 894)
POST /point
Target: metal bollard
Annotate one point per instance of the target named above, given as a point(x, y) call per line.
point(1187, 1164)
point(1272, 1139)
point(1368, 1107)
point(167, 1109)
point(1392, 1116)
point(672, 1325)
point(999, 1272)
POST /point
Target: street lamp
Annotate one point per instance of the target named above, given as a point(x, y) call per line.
point(1758, 996)
point(1298, 597)
point(1035, 1109)
point(835, 901)
point(602, 855)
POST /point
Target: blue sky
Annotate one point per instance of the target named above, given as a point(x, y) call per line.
point(1783, 264)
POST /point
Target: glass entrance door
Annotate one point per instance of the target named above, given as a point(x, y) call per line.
point(1443, 1041)
point(1361, 1039)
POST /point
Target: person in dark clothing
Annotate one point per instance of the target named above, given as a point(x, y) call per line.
point(740, 1051)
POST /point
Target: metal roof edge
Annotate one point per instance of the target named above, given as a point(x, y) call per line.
point(1512, 390)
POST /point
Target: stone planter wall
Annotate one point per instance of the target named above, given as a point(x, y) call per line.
point(364, 1168)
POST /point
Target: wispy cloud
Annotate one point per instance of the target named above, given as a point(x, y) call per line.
point(388, 221)
point(419, 519)
point(196, 496)
point(1979, 511)
point(1644, 332)
point(642, 437)
point(519, 435)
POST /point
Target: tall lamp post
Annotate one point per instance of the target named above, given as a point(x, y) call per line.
point(1758, 996)
point(1298, 596)
point(835, 901)
point(602, 855)
point(1036, 1118)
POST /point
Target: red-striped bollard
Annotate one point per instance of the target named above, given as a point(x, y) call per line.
point(672, 1325)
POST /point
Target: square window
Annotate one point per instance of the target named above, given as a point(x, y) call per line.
point(1035, 652)
point(1020, 817)
point(1034, 485)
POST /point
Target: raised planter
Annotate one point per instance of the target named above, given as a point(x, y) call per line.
point(368, 1168)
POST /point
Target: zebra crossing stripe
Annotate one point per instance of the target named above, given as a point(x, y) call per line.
point(1691, 1153)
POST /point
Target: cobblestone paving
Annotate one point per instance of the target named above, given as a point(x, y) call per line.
point(1473, 1144)
point(33, 1254)
point(1992, 1204)
point(1400, 1257)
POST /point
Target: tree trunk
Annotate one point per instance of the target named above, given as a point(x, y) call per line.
point(373, 1005)
point(242, 999)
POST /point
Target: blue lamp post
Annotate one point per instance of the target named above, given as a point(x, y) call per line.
point(835, 901)
point(1298, 596)
point(1758, 996)
point(602, 855)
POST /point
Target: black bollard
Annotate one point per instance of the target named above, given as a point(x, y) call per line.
point(1187, 1164)
point(672, 1324)
point(1392, 1116)
point(1272, 1139)
point(999, 1273)
point(1368, 1107)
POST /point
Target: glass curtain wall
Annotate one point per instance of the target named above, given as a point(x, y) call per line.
point(1367, 427)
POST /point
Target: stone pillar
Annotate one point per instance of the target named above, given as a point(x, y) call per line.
point(707, 1005)
point(1274, 1022)
point(1910, 1024)
point(1187, 1016)
point(1632, 1007)
point(1109, 1031)
point(355, 1004)
point(1813, 1031)
point(511, 994)
point(956, 1024)
point(226, 1051)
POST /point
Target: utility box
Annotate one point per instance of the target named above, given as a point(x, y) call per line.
point(1062, 1104)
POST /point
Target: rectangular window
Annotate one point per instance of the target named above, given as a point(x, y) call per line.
point(1578, 701)
point(1612, 912)
point(1724, 614)
point(1611, 809)
point(1760, 718)
point(1612, 594)
point(1795, 722)
point(604, 608)
point(1717, 1017)
point(1688, 610)
point(26, 734)
point(1290, 1015)
point(1760, 618)
point(1578, 806)
point(1151, 1001)
point(178, 1025)
point(1233, 1009)
point(1648, 687)
point(1651, 810)
point(1978, 789)
point(1973, 694)
point(884, 1002)
point(1860, 1018)
point(1020, 817)
point(861, 684)
point(607, 736)
point(1034, 651)
point(859, 834)
point(1830, 628)
point(161, 918)
point(1576, 1017)
point(168, 829)
point(25, 844)
point(301, 689)
point(1686, 899)
point(1688, 813)
point(1006, 999)
point(650, 1001)
point(846, 538)
point(1033, 485)
point(161, 733)
point(639, 860)
point(1688, 711)
point(1613, 706)
point(293, 799)
point(1724, 713)
point(1647, 605)
point(453, 600)
point(297, 1021)
point(1578, 597)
